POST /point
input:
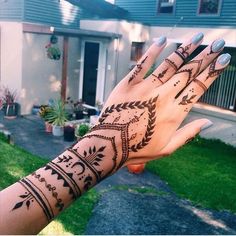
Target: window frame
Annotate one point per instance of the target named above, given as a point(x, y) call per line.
point(165, 14)
point(207, 14)
point(136, 49)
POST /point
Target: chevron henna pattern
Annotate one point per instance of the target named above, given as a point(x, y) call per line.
point(212, 70)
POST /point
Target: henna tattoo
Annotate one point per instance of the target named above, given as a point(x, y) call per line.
point(172, 64)
point(160, 75)
point(39, 197)
point(138, 68)
point(182, 52)
point(94, 156)
point(26, 199)
point(150, 127)
point(202, 85)
point(59, 204)
point(176, 83)
point(67, 178)
point(212, 70)
point(193, 71)
point(186, 100)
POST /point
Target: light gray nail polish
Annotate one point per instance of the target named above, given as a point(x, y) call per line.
point(224, 59)
point(218, 45)
point(160, 41)
point(207, 125)
point(197, 38)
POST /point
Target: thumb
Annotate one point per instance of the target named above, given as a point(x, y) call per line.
point(185, 135)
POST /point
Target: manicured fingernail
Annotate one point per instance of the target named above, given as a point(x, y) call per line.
point(160, 41)
point(197, 38)
point(224, 59)
point(218, 45)
point(206, 125)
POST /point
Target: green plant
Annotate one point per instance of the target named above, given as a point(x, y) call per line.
point(44, 112)
point(81, 130)
point(57, 115)
point(8, 97)
point(53, 52)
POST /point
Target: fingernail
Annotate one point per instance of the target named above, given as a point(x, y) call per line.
point(197, 38)
point(224, 59)
point(206, 125)
point(160, 41)
point(218, 45)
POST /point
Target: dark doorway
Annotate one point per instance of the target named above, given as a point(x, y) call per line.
point(91, 54)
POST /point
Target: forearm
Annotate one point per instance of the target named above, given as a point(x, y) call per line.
point(38, 198)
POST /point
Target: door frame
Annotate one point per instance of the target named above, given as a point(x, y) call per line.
point(101, 71)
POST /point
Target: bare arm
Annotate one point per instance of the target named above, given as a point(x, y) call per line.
point(139, 123)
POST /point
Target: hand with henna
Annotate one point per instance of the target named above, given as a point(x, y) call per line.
point(140, 122)
point(144, 115)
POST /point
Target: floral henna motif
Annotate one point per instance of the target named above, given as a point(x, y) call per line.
point(137, 69)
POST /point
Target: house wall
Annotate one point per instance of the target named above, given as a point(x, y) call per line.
point(12, 10)
point(11, 56)
point(119, 50)
point(41, 79)
point(52, 12)
point(185, 14)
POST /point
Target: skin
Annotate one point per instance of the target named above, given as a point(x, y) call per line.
point(139, 123)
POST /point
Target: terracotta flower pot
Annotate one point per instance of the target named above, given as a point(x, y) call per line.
point(48, 127)
point(136, 168)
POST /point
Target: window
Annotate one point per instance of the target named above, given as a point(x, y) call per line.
point(166, 6)
point(209, 7)
point(136, 51)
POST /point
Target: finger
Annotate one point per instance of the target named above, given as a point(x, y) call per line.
point(146, 61)
point(171, 64)
point(185, 135)
point(200, 84)
point(179, 139)
point(202, 60)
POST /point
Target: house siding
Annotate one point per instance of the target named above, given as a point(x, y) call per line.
point(11, 10)
point(54, 13)
point(146, 12)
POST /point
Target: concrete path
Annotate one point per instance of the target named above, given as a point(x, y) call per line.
point(134, 204)
point(144, 204)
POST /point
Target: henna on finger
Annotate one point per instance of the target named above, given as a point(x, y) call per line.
point(213, 71)
point(137, 70)
point(172, 64)
point(160, 75)
point(182, 52)
point(202, 85)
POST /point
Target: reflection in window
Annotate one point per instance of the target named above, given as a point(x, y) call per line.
point(166, 6)
point(136, 51)
point(209, 6)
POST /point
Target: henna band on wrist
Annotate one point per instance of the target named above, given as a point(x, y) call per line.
point(203, 86)
point(158, 78)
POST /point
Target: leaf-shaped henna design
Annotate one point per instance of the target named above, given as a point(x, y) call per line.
point(185, 100)
point(27, 199)
point(212, 70)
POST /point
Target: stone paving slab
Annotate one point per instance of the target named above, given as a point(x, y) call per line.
point(28, 132)
point(127, 211)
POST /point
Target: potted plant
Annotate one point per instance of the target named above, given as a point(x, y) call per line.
point(9, 105)
point(76, 107)
point(81, 130)
point(136, 168)
point(69, 133)
point(57, 116)
point(44, 112)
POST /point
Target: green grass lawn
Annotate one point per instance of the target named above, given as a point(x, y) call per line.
point(17, 163)
point(203, 171)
